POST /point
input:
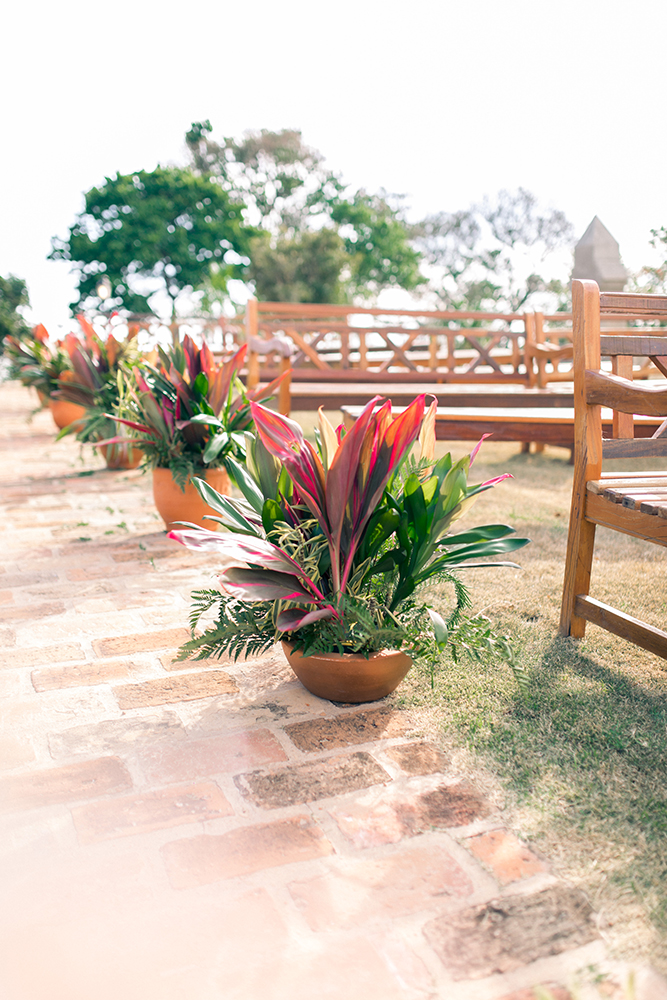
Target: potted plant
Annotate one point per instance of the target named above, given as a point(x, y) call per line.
point(95, 384)
point(329, 548)
point(34, 362)
point(189, 413)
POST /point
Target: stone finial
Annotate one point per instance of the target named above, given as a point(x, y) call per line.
point(597, 256)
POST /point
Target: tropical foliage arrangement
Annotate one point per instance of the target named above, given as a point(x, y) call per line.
point(95, 381)
point(33, 362)
point(329, 547)
point(188, 412)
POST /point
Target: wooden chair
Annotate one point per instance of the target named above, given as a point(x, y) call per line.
point(634, 503)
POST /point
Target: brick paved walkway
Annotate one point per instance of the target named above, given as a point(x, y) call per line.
point(208, 831)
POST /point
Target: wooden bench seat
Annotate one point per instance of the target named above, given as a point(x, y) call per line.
point(544, 425)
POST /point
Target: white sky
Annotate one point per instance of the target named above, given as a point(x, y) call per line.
point(442, 101)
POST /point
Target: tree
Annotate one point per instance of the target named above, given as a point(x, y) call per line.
point(151, 232)
point(322, 245)
point(483, 258)
point(652, 279)
point(13, 297)
point(302, 268)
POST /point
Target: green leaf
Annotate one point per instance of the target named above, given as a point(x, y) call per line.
point(205, 418)
point(271, 514)
point(245, 483)
point(215, 446)
point(483, 532)
point(381, 525)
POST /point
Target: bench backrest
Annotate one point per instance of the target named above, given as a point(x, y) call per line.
point(353, 342)
point(603, 372)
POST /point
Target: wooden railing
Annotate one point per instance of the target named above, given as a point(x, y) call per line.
point(330, 342)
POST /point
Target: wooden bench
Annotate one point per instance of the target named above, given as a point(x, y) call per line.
point(544, 425)
point(634, 503)
point(360, 342)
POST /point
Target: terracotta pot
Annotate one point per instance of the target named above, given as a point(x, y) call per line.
point(175, 505)
point(65, 413)
point(121, 456)
point(349, 677)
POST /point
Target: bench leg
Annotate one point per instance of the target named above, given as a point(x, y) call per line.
point(578, 562)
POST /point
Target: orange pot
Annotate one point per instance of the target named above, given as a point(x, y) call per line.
point(122, 456)
point(65, 414)
point(349, 677)
point(173, 504)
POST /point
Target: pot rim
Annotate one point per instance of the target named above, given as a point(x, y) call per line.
point(347, 657)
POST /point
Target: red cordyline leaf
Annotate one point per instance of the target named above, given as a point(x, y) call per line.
point(191, 357)
point(111, 347)
point(224, 376)
point(262, 585)
point(284, 438)
point(473, 453)
point(40, 333)
point(394, 438)
point(206, 359)
point(498, 479)
point(168, 414)
point(130, 423)
point(86, 326)
point(292, 619)
point(268, 390)
point(341, 479)
point(240, 551)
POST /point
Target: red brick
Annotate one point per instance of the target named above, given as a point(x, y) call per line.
point(65, 784)
point(169, 663)
point(143, 642)
point(104, 571)
point(247, 849)
point(35, 656)
point(27, 579)
point(407, 815)
point(116, 736)
point(507, 934)
point(506, 856)
point(418, 758)
point(180, 687)
point(385, 888)
point(554, 993)
point(229, 754)
point(348, 729)
point(31, 611)
point(369, 827)
point(141, 555)
point(99, 672)
point(122, 817)
point(317, 779)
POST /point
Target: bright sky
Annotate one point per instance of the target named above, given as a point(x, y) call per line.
point(442, 101)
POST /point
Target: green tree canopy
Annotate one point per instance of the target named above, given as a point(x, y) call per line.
point(321, 245)
point(151, 232)
point(13, 297)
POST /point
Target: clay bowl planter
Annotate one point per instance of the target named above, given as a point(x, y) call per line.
point(175, 505)
point(349, 677)
point(64, 414)
point(121, 456)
